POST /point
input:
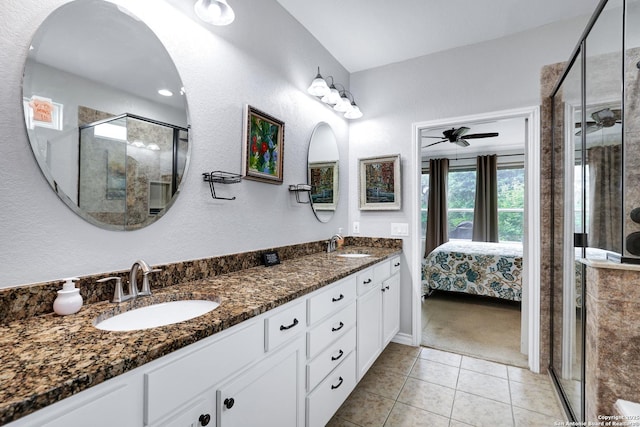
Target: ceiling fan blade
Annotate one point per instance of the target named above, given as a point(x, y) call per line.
point(481, 135)
point(591, 127)
point(460, 131)
point(461, 143)
point(433, 143)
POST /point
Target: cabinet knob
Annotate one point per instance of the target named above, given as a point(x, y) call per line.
point(229, 402)
point(204, 419)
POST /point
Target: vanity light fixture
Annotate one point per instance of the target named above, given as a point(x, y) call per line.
point(330, 95)
point(215, 12)
point(165, 92)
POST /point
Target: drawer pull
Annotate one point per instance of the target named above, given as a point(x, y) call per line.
point(204, 419)
point(338, 328)
point(366, 282)
point(284, 328)
point(340, 354)
point(341, 297)
point(229, 402)
point(396, 265)
point(333, 387)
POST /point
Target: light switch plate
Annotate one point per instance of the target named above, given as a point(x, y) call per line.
point(399, 229)
point(356, 227)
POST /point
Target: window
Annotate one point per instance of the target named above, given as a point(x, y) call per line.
point(461, 200)
point(511, 204)
point(461, 195)
point(423, 203)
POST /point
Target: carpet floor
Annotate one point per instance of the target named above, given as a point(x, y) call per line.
point(473, 326)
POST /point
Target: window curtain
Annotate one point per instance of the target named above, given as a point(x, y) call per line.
point(437, 227)
point(485, 212)
point(605, 193)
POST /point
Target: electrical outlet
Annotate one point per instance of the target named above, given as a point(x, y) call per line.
point(356, 227)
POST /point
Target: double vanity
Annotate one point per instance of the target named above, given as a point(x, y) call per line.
point(283, 346)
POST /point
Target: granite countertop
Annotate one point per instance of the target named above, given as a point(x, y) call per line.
point(47, 358)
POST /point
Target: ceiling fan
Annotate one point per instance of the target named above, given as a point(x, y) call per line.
point(458, 136)
point(604, 118)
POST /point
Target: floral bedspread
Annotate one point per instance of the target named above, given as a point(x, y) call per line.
point(481, 268)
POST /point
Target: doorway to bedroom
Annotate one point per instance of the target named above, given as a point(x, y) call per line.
point(474, 280)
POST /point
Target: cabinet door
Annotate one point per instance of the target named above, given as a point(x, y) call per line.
point(198, 414)
point(369, 329)
point(390, 308)
point(269, 394)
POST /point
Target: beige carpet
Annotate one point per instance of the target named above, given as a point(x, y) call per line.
point(473, 326)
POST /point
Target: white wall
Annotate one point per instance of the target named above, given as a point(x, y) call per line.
point(265, 58)
point(490, 76)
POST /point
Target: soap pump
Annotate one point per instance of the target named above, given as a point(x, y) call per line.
point(69, 300)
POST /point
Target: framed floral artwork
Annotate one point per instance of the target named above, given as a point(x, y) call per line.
point(380, 183)
point(263, 147)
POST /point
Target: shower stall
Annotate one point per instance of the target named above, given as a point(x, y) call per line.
point(595, 192)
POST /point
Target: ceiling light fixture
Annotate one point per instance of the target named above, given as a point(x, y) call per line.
point(333, 97)
point(215, 12)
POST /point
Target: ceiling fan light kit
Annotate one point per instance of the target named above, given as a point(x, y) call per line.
point(342, 101)
point(459, 136)
point(604, 118)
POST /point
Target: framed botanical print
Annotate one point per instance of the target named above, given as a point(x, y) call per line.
point(380, 187)
point(263, 147)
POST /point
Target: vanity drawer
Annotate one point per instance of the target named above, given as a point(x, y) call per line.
point(331, 329)
point(178, 382)
point(284, 325)
point(395, 265)
point(326, 361)
point(331, 300)
point(365, 280)
point(325, 400)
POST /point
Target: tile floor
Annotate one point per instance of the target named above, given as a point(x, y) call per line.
point(410, 386)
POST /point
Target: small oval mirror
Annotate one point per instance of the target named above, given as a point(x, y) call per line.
point(109, 141)
point(322, 163)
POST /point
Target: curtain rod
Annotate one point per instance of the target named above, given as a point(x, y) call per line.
point(473, 158)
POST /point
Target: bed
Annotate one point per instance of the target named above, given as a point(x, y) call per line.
point(479, 268)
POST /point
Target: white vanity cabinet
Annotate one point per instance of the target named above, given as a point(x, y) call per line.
point(378, 311)
point(290, 367)
point(391, 306)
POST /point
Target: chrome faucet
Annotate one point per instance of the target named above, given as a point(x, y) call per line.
point(119, 295)
point(333, 242)
point(133, 284)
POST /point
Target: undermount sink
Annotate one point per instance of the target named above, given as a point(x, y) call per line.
point(160, 314)
point(353, 255)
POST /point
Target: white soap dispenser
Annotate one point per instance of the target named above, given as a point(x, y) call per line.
point(69, 300)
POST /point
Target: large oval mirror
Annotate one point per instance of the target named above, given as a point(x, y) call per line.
point(106, 114)
point(322, 163)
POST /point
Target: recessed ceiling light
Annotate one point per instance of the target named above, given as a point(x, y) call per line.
point(165, 92)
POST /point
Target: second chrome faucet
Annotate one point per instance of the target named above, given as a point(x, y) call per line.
point(134, 292)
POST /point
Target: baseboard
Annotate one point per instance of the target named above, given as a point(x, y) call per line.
point(402, 338)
